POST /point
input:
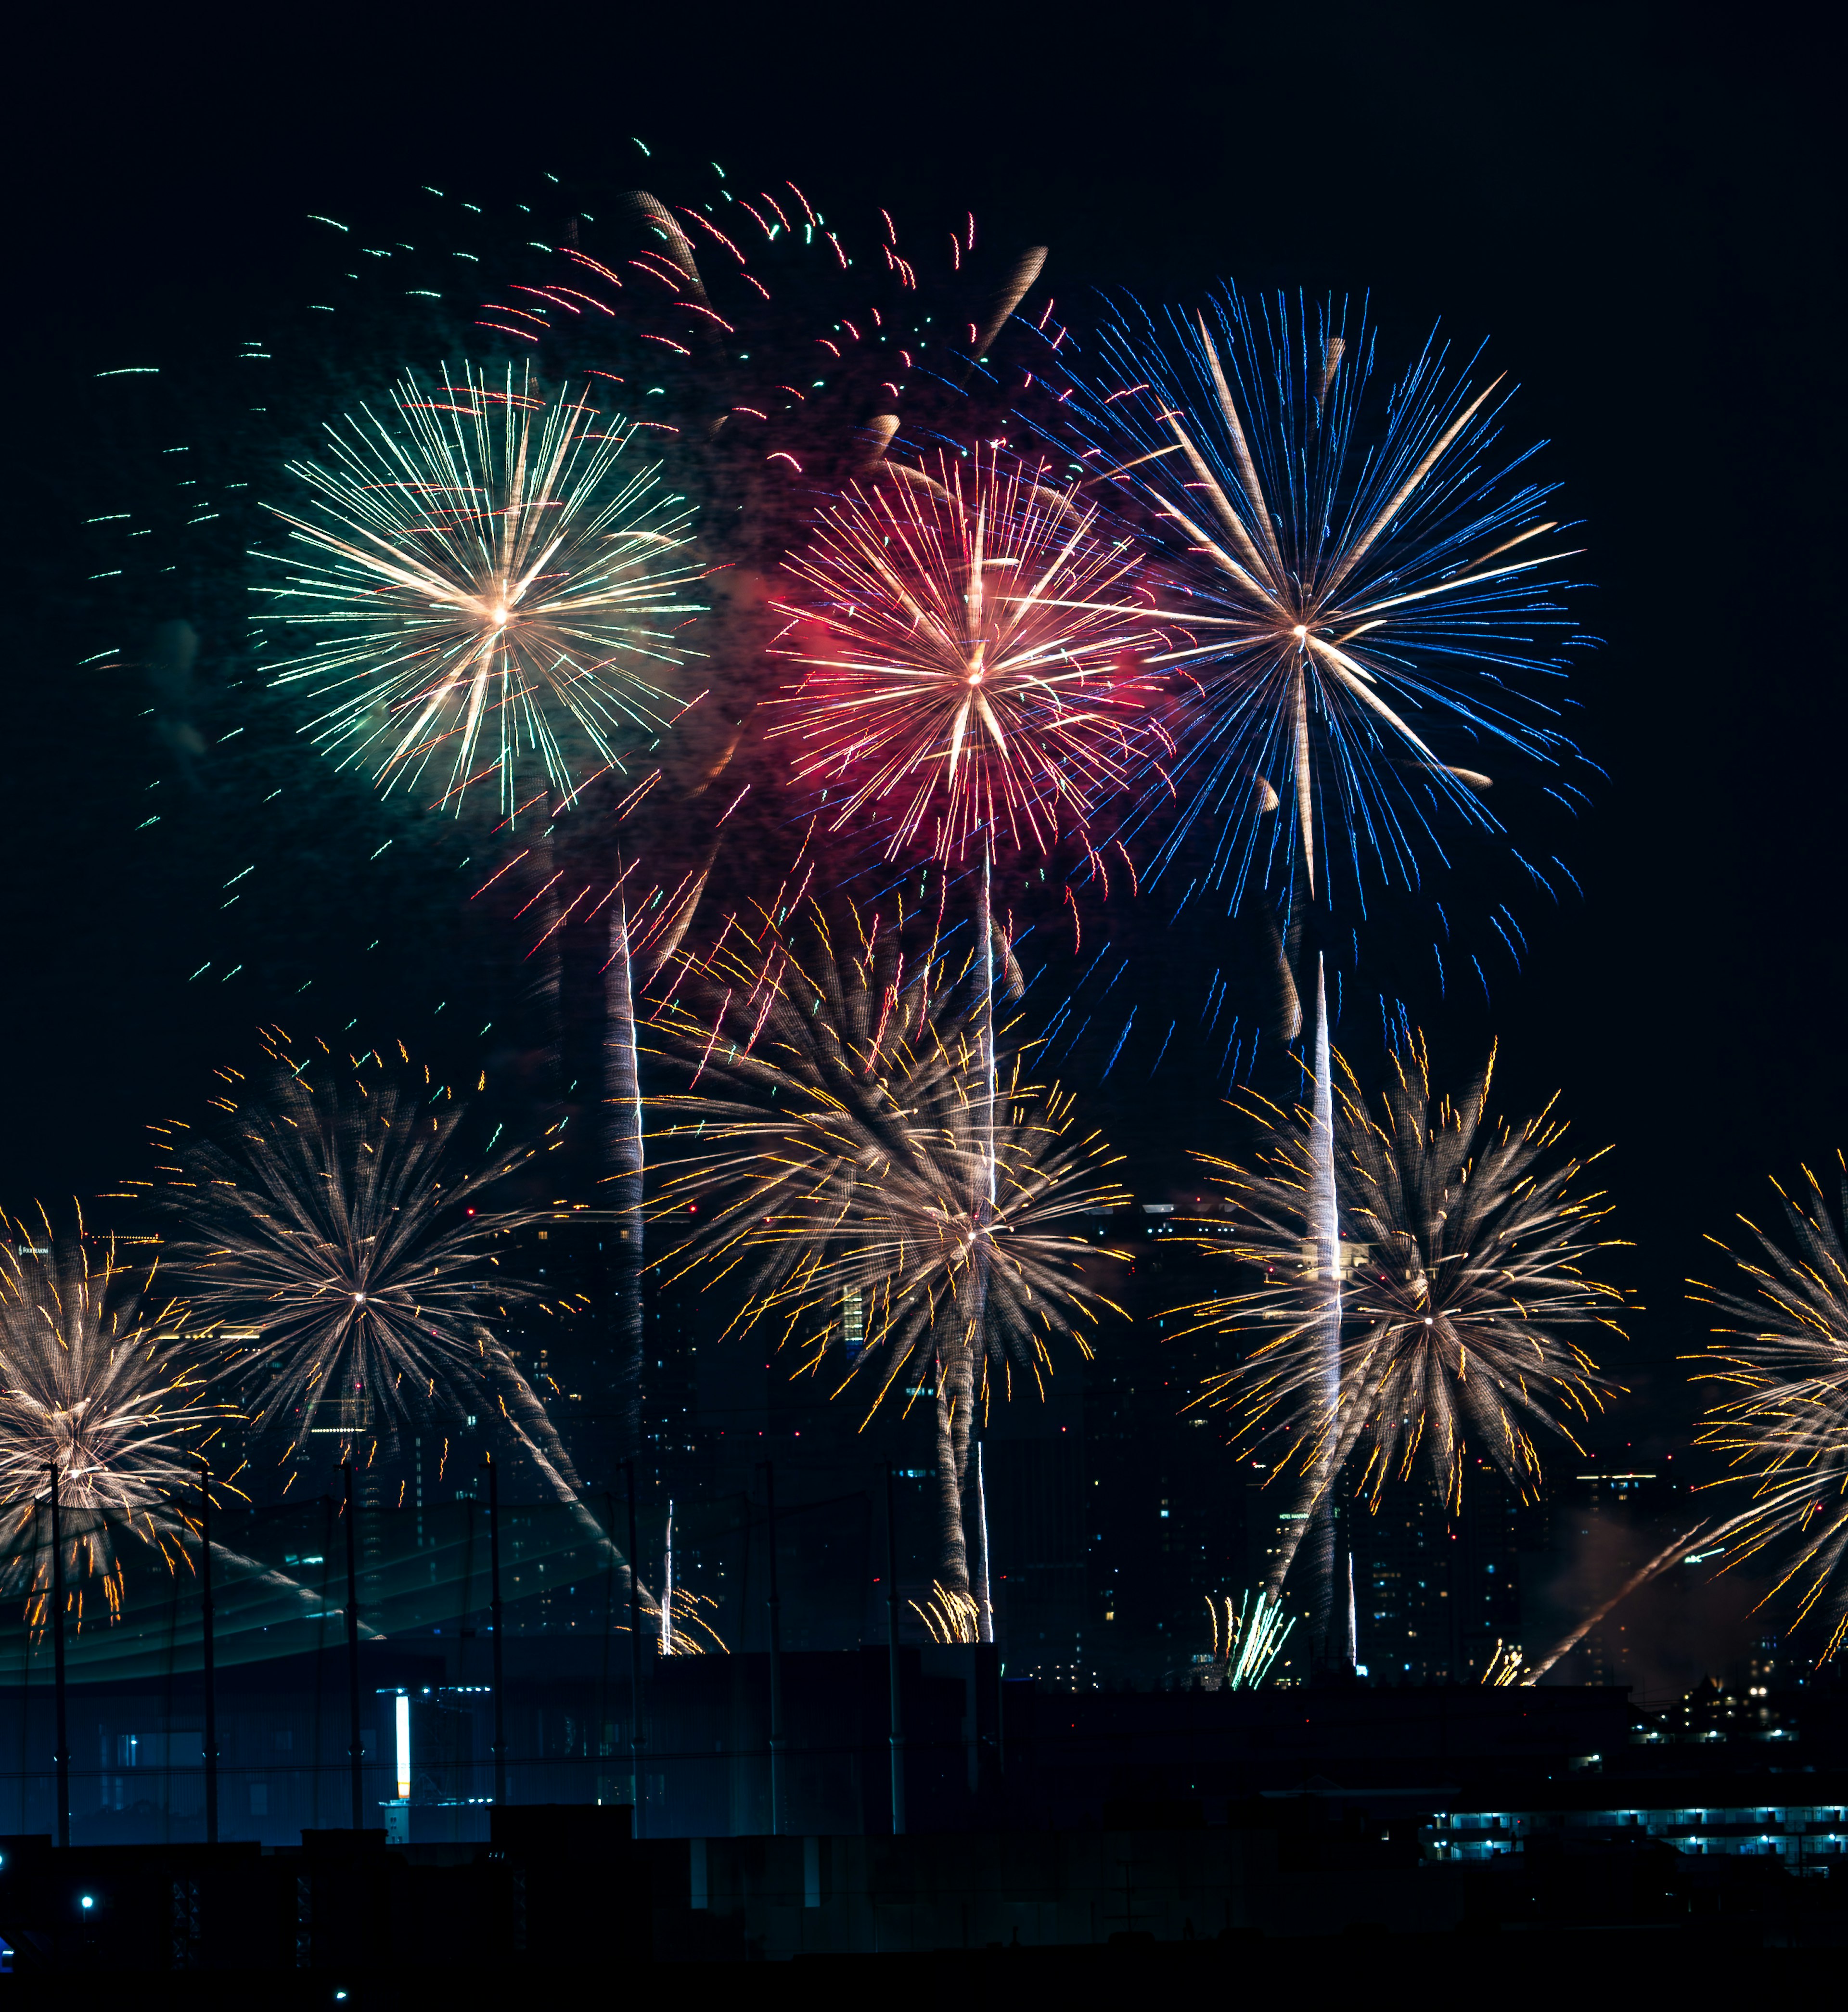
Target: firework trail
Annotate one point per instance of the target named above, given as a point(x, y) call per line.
point(107, 1396)
point(1368, 616)
point(1252, 1638)
point(495, 585)
point(1461, 1283)
point(343, 1255)
point(833, 1136)
point(1785, 1431)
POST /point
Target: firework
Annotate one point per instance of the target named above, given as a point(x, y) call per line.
point(1459, 1256)
point(770, 357)
point(1785, 1431)
point(968, 636)
point(344, 1257)
point(1365, 618)
point(1252, 1639)
point(104, 1394)
point(834, 1138)
point(495, 585)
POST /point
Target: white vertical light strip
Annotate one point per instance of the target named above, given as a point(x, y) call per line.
point(403, 1714)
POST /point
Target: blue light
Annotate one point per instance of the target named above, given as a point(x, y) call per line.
point(88, 1901)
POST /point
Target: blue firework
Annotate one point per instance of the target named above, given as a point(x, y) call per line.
point(1364, 630)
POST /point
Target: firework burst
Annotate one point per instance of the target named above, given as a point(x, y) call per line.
point(975, 669)
point(103, 1395)
point(835, 1137)
point(1460, 1285)
point(496, 584)
point(343, 1257)
point(1785, 1431)
point(1366, 617)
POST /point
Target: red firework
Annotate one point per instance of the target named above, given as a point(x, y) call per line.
point(973, 638)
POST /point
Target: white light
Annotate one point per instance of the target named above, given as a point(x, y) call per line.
point(403, 1714)
point(88, 1900)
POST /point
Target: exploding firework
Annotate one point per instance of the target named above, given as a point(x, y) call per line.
point(1365, 616)
point(1785, 1431)
point(974, 673)
point(1460, 1285)
point(834, 1137)
point(344, 1258)
point(101, 1394)
point(496, 585)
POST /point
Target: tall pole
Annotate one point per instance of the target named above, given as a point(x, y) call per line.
point(355, 1746)
point(635, 1664)
point(208, 1649)
point(61, 1757)
point(898, 1731)
point(776, 1606)
point(494, 1617)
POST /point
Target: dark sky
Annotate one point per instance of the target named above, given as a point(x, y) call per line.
point(1636, 205)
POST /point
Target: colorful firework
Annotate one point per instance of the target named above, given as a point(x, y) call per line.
point(771, 358)
point(1365, 618)
point(497, 586)
point(1460, 1256)
point(1251, 1640)
point(108, 1397)
point(969, 635)
point(834, 1137)
point(344, 1258)
point(1785, 1433)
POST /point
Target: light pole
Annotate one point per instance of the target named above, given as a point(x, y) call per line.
point(208, 1648)
point(61, 1757)
point(355, 1746)
point(494, 1608)
point(776, 1606)
point(897, 1721)
point(635, 1666)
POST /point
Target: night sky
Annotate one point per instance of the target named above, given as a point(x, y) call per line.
point(1633, 207)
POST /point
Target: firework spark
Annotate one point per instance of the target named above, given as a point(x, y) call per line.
point(1461, 1252)
point(106, 1396)
point(834, 1138)
point(497, 584)
point(1785, 1355)
point(1363, 600)
point(969, 635)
